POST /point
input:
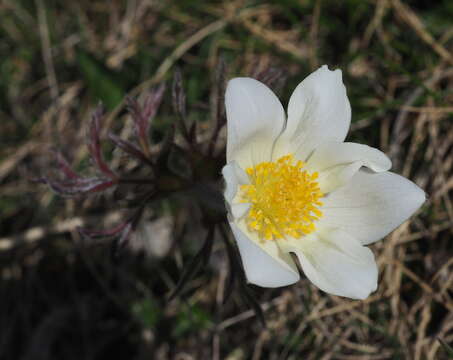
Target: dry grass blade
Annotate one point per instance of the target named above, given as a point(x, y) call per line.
point(409, 16)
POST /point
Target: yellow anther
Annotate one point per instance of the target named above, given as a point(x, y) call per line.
point(284, 198)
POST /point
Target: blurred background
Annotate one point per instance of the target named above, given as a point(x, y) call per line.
point(63, 296)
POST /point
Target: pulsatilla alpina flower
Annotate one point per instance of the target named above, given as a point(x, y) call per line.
point(294, 186)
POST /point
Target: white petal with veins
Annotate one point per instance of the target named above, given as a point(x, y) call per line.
point(318, 112)
point(333, 178)
point(240, 210)
point(264, 266)
point(255, 119)
point(338, 264)
point(371, 205)
point(337, 163)
point(333, 154)
point(233, 176)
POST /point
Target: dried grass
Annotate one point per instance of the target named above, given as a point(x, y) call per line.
point(62, 301)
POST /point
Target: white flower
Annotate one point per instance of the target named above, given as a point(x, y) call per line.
point(294, 186)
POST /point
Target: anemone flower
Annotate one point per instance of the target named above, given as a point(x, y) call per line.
point(293, 186)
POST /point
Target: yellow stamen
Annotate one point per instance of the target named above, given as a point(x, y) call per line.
point(284, 198)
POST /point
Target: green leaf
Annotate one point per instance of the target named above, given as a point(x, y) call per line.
point(191, 318)
point(102, 82)
point(147, 311)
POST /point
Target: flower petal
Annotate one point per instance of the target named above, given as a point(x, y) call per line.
point(264, 264)
point(338, 162)
point(240, 210)
point(333, 154)
point(338, 264)
point(338, 176)
point(318, 112)
point(371, 205)
point(255, 118)
point(233, 176)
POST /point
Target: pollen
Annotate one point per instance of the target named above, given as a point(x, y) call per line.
point(284, 199)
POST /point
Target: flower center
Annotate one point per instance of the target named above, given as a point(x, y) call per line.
point(284, 199)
